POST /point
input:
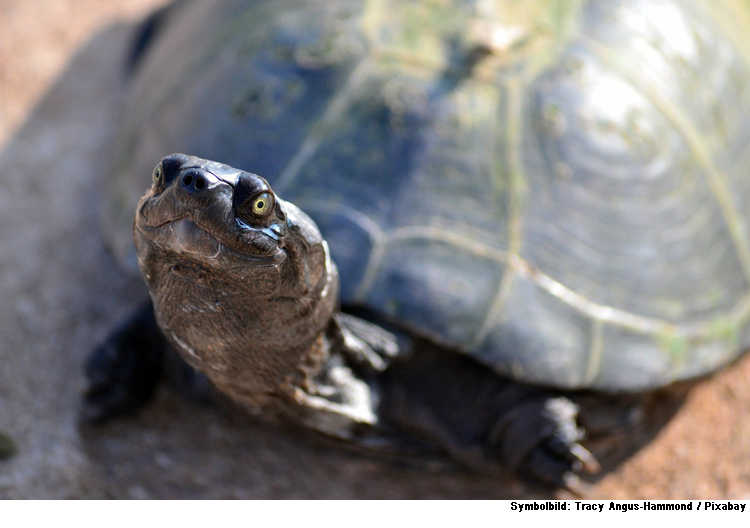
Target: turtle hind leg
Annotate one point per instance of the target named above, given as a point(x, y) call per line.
point(123, 371)
point(484, 421)
point(538, 438)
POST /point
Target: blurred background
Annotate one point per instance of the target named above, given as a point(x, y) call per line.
point(61, 87)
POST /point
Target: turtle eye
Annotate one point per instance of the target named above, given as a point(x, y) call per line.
point(261, 204)
point(254, 201)
point(158, 175)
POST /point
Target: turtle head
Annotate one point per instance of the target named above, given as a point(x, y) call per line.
point(240, 279)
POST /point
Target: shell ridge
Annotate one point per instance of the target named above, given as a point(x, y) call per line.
point(517, 190)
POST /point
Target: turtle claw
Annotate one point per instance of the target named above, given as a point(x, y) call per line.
point(580, 457)
point(573, 484)
point(540, 441)
point(366, 345)
point(589, 464)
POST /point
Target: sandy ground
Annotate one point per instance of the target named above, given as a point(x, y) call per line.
point(60, 90)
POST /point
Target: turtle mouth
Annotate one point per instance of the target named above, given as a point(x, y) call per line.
point(184, 236)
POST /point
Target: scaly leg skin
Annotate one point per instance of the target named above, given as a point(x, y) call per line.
point(124, 370)
point(484, 421)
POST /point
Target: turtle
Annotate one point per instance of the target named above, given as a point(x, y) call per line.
point(430, 226)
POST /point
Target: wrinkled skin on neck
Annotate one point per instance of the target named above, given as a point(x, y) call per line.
point(243, 294)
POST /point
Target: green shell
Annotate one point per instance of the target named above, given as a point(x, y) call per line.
point(558, 188)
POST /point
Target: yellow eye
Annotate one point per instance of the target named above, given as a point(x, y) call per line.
point(157, 175)
point(262, 204)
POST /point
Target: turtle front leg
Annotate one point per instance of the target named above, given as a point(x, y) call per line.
point(123, 371)
point(342, 399)
point(366, 346)
point(484, 421)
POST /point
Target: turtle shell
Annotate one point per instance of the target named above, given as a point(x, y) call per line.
point(559, 189)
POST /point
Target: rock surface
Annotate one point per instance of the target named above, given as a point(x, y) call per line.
point(60, 91)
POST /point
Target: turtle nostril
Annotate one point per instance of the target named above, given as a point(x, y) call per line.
point(193, 182)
